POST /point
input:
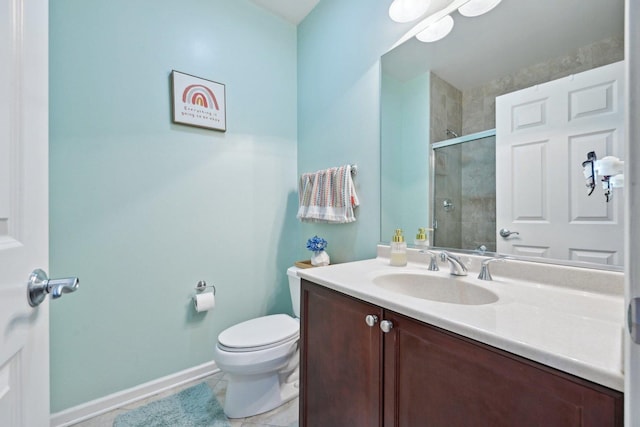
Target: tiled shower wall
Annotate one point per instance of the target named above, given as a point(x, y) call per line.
point(446, 113)
point(465, 176)
point(446, 109)
point(478, 194)
point(448, 186)
point(479, 104)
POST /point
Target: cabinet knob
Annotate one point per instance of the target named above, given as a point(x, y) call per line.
point(386, 325)
point(371, 319)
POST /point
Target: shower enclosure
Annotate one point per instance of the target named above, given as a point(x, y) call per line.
point(464, 192)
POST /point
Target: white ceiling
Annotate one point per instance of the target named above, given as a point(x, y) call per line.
point(514, 35)
point(293, 11)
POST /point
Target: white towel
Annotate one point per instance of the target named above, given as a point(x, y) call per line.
point(327, 196)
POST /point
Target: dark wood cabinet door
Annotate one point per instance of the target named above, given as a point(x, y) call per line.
point(340, 360)
point(436, 378)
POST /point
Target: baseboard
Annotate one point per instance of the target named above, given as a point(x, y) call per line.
point(105, 404)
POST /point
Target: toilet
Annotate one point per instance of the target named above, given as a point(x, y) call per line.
point(260, 357)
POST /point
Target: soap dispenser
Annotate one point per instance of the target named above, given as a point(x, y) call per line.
point(398, 250)
point(421, 242)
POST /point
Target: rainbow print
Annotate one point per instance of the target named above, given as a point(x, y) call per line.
point(198, 102)
point(201, 96)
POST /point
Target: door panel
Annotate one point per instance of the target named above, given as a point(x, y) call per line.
point(632, 157)
point(530, 162)
point(588, 210)
point(24, 331)
point(546, 131)
point(436, 378)
point(341, 360)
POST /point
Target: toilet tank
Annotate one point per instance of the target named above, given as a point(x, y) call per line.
point(294, 289)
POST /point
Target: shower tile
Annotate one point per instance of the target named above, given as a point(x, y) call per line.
point(446, 109)
point(479, 210)
point(476, 234)
point(477, 185)
point(441, 164)
point(478, 105)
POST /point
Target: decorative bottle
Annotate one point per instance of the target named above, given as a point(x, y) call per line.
point(421, 242)
point(398, 250)
point(423, 238)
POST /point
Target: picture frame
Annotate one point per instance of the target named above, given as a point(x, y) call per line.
point(198, 102)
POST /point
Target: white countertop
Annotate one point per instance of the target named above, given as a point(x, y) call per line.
point(575, 331)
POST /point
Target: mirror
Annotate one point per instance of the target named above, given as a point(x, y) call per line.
point(432, 93)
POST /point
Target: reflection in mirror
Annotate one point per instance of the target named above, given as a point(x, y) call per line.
point(434, 92)
point(464, 192)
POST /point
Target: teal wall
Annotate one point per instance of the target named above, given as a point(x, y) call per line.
point(404, 155)
point(339, 48)
point(141, 209)
point(391, 155)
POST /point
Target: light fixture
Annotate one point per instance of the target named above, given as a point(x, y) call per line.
point(408, 10)
point(609, 169)
point(435, 16)
point(437, 30)
point(609, 166)
point(477, 7)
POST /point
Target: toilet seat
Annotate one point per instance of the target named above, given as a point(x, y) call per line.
point(259, 334)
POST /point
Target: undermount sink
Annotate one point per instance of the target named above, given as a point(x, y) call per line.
point(435, 288)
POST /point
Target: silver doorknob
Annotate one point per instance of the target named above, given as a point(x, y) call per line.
point(386, 325)
point(371, 319)
point(40, 285)
point(506, 233)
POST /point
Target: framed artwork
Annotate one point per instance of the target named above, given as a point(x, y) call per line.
point(198, 102)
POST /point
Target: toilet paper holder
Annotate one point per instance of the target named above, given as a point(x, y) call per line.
point(202, 285)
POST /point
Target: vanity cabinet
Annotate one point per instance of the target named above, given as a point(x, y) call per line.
point(341, 360)
point(353, 374)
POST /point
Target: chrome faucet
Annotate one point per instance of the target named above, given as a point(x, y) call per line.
point(433, 262)
point(485, 274)
point(456, 266)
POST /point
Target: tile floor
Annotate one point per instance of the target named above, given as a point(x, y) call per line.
point(284, 416)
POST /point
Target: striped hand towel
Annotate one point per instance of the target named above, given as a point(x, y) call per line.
point(327, 196)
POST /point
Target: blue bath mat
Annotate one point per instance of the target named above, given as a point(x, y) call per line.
point(194, 406)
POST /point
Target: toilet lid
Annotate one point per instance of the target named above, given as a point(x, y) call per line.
point(260, 333)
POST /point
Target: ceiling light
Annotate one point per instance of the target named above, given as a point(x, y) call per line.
point(408, 10)
point(477, 7)
point(437, 30)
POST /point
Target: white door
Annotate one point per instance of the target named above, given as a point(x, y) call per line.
point(24, 331)
point(543, 135)
point(632, 260)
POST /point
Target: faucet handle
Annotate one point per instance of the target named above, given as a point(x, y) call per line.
point(433, 260)
point(485, 274)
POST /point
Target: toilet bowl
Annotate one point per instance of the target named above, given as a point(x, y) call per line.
point(260, 357)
